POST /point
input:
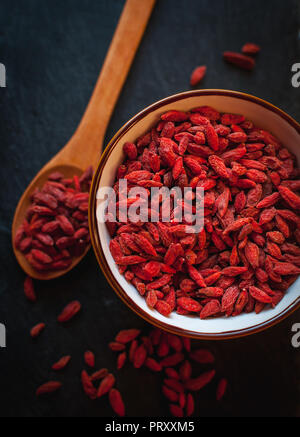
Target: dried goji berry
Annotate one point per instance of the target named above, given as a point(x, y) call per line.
point(197, 75)
point(140, 356)
point(61, 364)
point(201, 381)
point(106, 384)
point(89, 358)
point(29, 289)
point(48, 387)
point(116, 402)
point(250, 48)
point(69, 311)
point(37, 329)
point(221, 389)
point(239, 60)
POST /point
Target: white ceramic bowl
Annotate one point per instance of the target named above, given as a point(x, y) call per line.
point(264, 115)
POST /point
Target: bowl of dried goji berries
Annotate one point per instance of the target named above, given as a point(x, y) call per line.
point(194, 214)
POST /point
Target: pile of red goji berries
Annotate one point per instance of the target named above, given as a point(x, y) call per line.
point(159, 352)
point(247, 255)
point(56, 225)
point(172, 355)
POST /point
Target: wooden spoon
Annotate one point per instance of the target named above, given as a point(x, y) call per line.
point(85, 146)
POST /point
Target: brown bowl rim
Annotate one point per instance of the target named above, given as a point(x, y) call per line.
point(94, 230)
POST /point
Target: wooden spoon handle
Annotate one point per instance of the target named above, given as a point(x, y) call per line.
point(87, 141)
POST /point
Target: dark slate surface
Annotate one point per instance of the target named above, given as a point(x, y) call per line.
point(53, 52)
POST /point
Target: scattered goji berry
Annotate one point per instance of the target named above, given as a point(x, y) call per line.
point(48, 387)
point(69, 311)
point(197, 75)
point(61, 364)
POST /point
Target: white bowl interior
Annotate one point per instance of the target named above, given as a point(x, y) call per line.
point(261, 117)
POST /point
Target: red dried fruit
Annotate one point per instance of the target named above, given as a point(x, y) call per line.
point(212, 137)
point(241, 301)
point(234, 271)
point(267, 215)
point(163, 308)
point(45, 199)
point(259, 295)
point(48, 387)
point(291, 198)
point(175, 116)
point(37, 329)
point(190, 405)
point(175, 342)
point(189, 304)
point(276, 237)
point(163, 347)
point(99, 374)
point(130, 150)
point(65, 224)
point(172, 360)
point(208, 112)
point(25, 244)
point(41, 257)
point(252, 254)
point(211, 291)
point(282, 268)
point(174, 384)
point(250, 48)
point(140, 356)
point(230, 119)
point(268, 201)
point(116, 402)
point(196, 276)
point(196, 384)
point(89, 358)
point(229, 298)
point(69, 311)
point(116, 347)
point(185, 370)
point(172, 373)
point(221, 389)
point(121, 360)
point(218, 166)
point(210, 309)
point(29, 289)
point(177, 168)
point(87, 385)
point(106, 384)
point(161, 282)
point(170, 394)
point(197, 75)
point(153, 365)
point(151, 299)
point(242, 61)
point(61, 364)
point(237, 137)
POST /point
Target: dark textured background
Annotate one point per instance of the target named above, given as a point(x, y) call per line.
point(53, 52)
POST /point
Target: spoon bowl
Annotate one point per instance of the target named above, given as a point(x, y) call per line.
point(24, 203)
